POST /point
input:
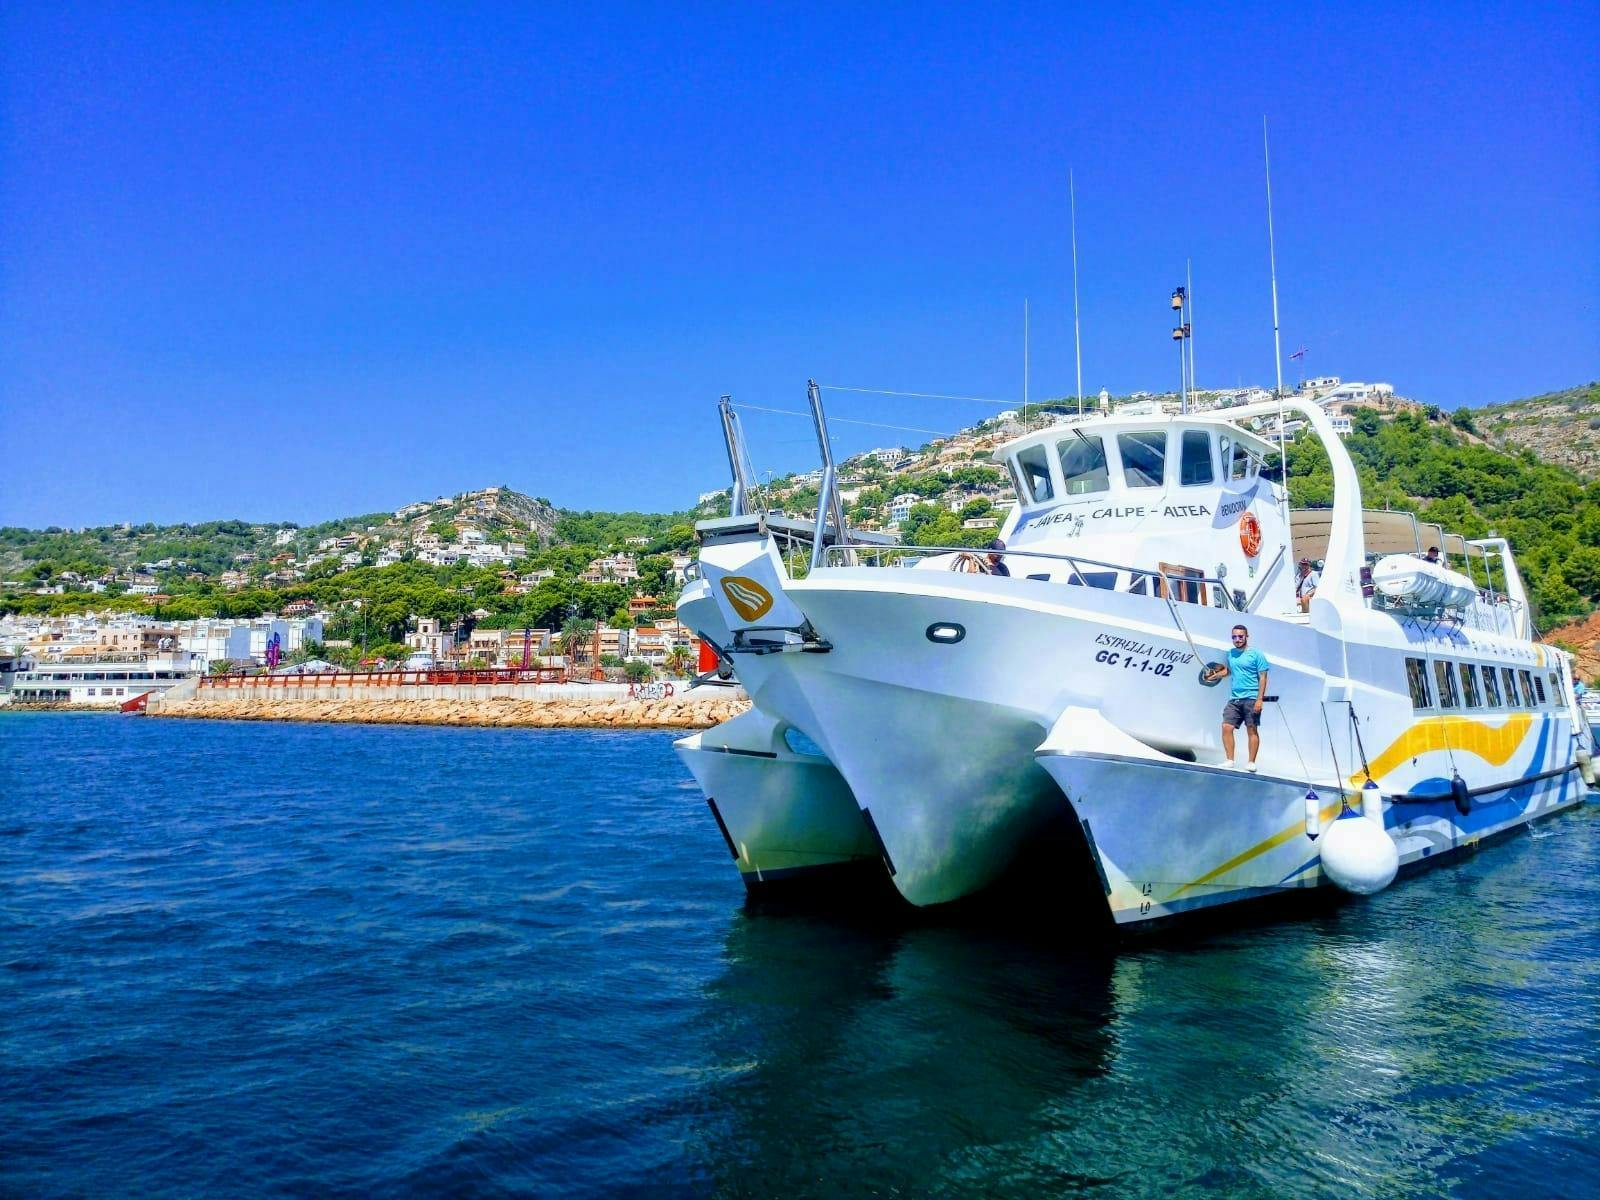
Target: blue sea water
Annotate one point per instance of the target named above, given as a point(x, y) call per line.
point(246, 959)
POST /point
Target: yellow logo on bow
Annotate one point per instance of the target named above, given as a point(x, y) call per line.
point(749, 599)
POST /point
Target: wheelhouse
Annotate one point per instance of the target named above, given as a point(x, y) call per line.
point(1104, 458)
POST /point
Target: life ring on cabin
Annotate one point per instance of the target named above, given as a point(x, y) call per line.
point(1250, 535)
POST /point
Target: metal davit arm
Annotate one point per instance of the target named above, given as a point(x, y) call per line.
point(738, 458)
point(828, 503)
point(1347, 547)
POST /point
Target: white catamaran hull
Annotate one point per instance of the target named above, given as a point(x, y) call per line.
point(1169, 838)
point(784, 815)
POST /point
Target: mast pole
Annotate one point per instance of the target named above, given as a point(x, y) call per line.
point(1077, 333)
point(1272, 260)
point(1188, 275)
point(1024, 362)
point(1277, 346)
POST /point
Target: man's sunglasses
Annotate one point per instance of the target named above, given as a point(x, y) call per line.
point(1239, 637)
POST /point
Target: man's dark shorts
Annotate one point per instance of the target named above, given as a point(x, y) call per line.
point(1241, 712)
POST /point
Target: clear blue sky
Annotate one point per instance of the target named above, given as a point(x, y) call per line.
point(294, 262)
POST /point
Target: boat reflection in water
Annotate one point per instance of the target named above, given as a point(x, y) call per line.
point(1370, 1050)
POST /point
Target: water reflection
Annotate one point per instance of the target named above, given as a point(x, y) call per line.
point(888, 1052)
point(1383, 1048)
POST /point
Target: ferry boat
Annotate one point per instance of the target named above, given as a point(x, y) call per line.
point(102, 678)
point(917, 714)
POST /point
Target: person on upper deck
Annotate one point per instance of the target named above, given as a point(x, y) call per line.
point(995, 563)
point(1248, 670)
point(1432, 555)
point(1306, 586)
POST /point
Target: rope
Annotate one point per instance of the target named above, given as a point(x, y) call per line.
point(1338, 774)
point(1289, 725)
point(1355, 724)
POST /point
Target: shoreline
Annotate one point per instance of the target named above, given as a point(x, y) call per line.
point(685, 712)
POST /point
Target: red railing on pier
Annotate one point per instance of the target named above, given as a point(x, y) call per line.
point(289, 682)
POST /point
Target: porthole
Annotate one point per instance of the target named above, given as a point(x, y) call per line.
point(947, 632)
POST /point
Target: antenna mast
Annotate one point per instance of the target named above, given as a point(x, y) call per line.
point(1272, 259)
point(1024, 362)
point(1188, 276)
point(1077, 334)
point(1277, 347)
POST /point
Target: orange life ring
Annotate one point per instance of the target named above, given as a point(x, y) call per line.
point(1250, 535)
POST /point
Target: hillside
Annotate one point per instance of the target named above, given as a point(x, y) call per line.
point(210, 548)
point(1559, 427)
point(519, 558)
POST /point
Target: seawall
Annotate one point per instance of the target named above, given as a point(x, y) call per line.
point(699, 709)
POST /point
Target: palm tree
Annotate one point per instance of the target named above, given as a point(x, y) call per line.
point(679, 660)
point(576, 636)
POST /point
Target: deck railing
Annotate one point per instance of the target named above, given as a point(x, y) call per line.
point(241, 680)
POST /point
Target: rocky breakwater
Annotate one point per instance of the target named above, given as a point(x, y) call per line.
point(698, 709)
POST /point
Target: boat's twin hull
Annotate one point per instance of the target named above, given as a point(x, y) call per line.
point(1174, 839)
point(935, 693)
point(786, 816)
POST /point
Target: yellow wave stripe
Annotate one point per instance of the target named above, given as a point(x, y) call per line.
point(1495, 744)
point(1272, 843)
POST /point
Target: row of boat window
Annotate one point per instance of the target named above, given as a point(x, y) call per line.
point(1143, 455)
point(1469, 685)
point(91, 676)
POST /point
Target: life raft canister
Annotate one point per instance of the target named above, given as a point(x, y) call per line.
point(1250, 535)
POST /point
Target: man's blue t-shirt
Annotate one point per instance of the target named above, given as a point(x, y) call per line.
point(1244, 668)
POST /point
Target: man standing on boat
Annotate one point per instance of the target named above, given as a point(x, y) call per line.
point(1247, 669)
point(1306, 586)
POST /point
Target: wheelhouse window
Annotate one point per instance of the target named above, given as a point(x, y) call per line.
point(1239, 464)
point(1083, 465)
point(1469, 685)
point(1194, 464)
point(1491, 688)
point(1034, 464)
point(1095, 579)
point(1527, 688)
point(1444, 674)
point(1144, 458)
point(1417, 678)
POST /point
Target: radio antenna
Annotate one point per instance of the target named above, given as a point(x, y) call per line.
point(1077, 334)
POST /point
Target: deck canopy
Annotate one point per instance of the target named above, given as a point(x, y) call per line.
point(1383, 532)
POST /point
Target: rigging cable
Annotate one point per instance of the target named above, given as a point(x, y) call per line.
point(916, 395)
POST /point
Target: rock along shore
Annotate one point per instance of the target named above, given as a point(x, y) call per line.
point(697, 710)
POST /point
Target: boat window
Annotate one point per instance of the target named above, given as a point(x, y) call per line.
point(1083, 465)
point(1555, 688)
point(1510, 678)
point(1016, 482)
point(1185, 582)
point(1195, 464)
point(1469, 685)
point(1444, 674)
point(1144, 458)
point(1491, 688)
point(1239, 465)
point(1035, 467)
point(1538, 684)
point(1095, 579)
point(1139, 585)
point(1527, 688)
point(1417, 677)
